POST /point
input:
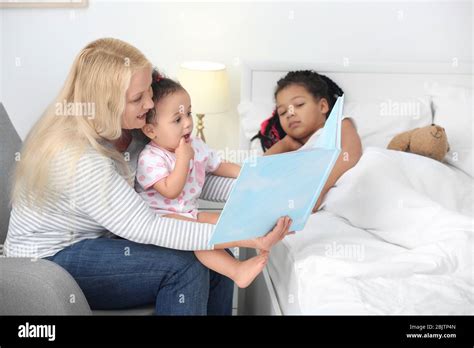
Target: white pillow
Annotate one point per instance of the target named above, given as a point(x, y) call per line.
point(377, 122)
point(380, 120)
point(252, 114)
point(453, 107)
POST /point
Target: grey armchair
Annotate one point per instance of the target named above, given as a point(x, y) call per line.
point(35, 286)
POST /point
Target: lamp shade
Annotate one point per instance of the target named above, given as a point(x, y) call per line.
point(207, 84)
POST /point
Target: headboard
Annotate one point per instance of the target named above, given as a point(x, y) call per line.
point(360, 81)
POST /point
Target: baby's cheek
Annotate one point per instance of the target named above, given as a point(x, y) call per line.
point(176, 139)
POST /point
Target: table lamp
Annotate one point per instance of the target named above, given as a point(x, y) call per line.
point(208, 86)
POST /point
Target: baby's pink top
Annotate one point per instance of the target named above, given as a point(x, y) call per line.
point(156, 163)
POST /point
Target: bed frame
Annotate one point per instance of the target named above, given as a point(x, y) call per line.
point(360, 81)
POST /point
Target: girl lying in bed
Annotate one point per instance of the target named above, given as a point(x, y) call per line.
point(304, 100)
point(172, 168)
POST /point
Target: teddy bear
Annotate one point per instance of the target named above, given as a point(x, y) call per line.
point(430, 141)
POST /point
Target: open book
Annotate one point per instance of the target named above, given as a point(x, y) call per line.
point(278, 185)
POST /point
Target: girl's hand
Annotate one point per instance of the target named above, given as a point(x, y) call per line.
point(280, 231)
point(184, 150)
point(291, 144)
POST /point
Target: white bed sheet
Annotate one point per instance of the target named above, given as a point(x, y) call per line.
point(334, 267)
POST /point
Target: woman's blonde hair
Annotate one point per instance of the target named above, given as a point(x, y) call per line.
point(86, 113)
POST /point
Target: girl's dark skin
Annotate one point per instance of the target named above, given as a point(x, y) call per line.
point(301, 115)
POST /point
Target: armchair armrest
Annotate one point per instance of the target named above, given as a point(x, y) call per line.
point(38, 287)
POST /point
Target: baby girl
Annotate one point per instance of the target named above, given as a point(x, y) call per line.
point(172, 169)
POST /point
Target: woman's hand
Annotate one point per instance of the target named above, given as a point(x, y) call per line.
point(280, 231)
point(265, 243)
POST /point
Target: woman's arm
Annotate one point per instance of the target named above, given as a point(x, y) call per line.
point(280, 231)
point(266, 242)
point(350, 154)
point(101, 193)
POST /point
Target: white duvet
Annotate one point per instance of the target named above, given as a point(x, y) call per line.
point(395, 236)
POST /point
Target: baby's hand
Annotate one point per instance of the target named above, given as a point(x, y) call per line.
point(184, 150)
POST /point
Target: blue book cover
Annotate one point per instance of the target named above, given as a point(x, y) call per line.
point(279, 185)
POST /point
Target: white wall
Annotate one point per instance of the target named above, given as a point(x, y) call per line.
point(46, 41)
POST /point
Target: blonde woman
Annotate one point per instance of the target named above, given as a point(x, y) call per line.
point(73, 200)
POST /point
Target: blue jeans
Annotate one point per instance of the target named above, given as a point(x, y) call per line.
point(119, 274)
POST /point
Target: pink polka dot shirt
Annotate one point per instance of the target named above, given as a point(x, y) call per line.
point(156, 163)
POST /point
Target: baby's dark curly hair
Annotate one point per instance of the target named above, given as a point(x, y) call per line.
point(162, 87)
point(319, 86)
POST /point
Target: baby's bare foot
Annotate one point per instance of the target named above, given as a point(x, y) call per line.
point(249, 269)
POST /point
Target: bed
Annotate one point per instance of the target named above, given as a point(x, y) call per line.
point(395, 235)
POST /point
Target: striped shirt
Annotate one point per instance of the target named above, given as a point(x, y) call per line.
point(99, 202)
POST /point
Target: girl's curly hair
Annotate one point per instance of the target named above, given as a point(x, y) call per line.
point(319, 86)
